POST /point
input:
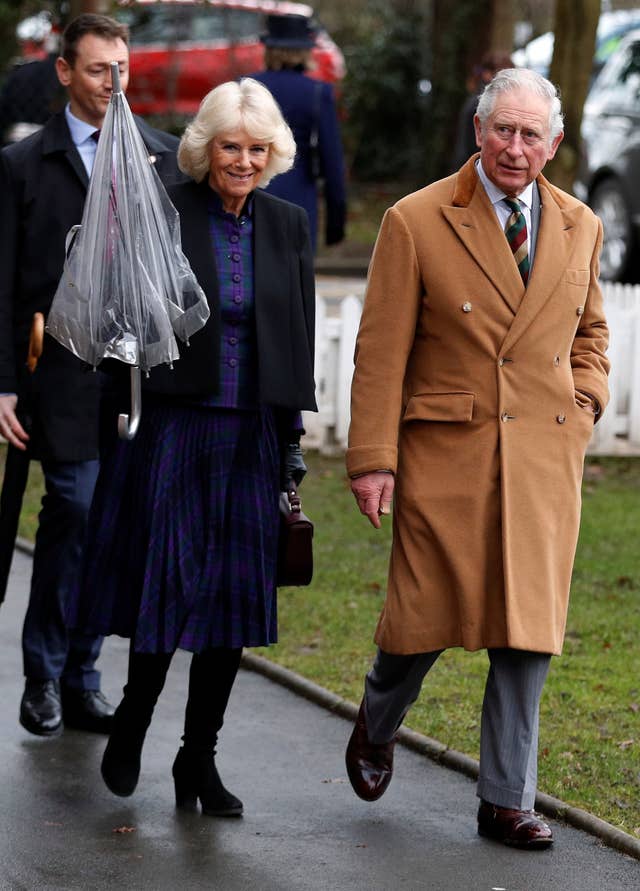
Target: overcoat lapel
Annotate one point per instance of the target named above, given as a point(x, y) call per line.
point(269, 242)
point(57, 139)
point(475, 223)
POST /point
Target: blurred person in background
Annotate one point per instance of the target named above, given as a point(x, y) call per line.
point(31, 92)
point(184, 524)
point(465, 144)
point(53, 412)
point(309, 108)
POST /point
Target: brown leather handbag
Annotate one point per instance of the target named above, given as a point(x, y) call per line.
point(295, 542)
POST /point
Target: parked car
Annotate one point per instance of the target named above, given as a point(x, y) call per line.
point(181, 49)
point(609, 174)
point(612, 26)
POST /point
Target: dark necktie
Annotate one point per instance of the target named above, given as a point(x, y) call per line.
point(95, 135)
point(516, 232)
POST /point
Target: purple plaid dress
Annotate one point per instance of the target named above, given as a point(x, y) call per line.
point(183, 528)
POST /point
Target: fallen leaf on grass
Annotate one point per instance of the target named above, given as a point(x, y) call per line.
point(123, 829)
point(626, 744)
point(634, 707)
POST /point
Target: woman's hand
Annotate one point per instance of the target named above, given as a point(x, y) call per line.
point(293, 466)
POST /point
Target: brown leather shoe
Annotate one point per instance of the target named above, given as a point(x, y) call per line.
point(369, 765)
point(520, 829)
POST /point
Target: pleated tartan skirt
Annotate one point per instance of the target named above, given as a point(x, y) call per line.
point(183, 533)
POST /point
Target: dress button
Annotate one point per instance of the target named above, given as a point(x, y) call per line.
point(233, 341)
point(234, 239)
point(237, 299)
point(466, 307)
point(235, 258)
point(233, 362)
point(580, 311)
point(236, 277)
point(561, 419)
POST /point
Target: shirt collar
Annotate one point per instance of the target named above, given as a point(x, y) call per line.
point(80, 130)
point(495, 194)
point(215, 205)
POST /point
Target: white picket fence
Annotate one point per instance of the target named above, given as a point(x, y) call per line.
point(617, 433)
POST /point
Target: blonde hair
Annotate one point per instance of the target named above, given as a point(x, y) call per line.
point(246, 105)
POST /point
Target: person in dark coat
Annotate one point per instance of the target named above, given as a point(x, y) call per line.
point(30, 95)
point(465, 144)
point(54, 412)
point(310, 110)
point(183, 530)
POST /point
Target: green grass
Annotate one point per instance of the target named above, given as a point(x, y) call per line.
point(590, 714)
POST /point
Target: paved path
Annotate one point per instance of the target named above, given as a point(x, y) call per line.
point(303, 829)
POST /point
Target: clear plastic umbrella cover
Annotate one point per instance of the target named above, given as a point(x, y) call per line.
point(127, 289)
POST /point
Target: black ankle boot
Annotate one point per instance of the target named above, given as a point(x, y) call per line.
point(121, 760)
point(195, 777)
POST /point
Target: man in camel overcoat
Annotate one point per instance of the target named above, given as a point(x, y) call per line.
point(480, 371)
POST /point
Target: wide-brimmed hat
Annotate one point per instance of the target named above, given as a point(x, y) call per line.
point(289, 32)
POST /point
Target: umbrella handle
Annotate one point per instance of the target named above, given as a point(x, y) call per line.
point(128, 424)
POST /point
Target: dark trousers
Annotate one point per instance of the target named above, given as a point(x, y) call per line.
point(49, 650)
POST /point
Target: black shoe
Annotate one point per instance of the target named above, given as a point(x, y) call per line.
point(195, 777)
point(120, 766)
point(40, 708)
point(86, 710)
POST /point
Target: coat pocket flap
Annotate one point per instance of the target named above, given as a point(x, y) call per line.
point(439, 407)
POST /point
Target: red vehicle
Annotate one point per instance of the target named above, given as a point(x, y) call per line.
point(181, 49)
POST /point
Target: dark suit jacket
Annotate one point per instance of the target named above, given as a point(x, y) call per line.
point(284, 303)
point(43, 185)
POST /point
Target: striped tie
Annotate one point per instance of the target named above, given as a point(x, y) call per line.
point(516, 232)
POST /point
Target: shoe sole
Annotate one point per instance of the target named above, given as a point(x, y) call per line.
point(534, 843)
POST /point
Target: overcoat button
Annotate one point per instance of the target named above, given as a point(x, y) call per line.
point(466, 307)
point(580, 311)
point(556, 360)
point(505, 416)
point(561, 419)
point(501, 362)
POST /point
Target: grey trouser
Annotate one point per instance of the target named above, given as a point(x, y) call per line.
point(509, 728)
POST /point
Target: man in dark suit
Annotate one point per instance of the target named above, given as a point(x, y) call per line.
point(54, 411)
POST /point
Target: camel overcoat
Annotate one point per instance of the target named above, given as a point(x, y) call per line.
point(465, 387)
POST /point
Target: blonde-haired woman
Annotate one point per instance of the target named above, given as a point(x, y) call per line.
point(183, 535)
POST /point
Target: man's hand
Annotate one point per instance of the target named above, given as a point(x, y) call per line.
point(10, 426)
point(374, 492)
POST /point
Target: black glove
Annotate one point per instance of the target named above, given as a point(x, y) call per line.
point(293, 467)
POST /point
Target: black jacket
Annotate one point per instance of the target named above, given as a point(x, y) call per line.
point(284, 303)
point(43, 185)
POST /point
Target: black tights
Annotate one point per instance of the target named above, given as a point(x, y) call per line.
point(211, 678)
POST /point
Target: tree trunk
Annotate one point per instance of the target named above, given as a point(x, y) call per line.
point(575, 27)
point(503, 26)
